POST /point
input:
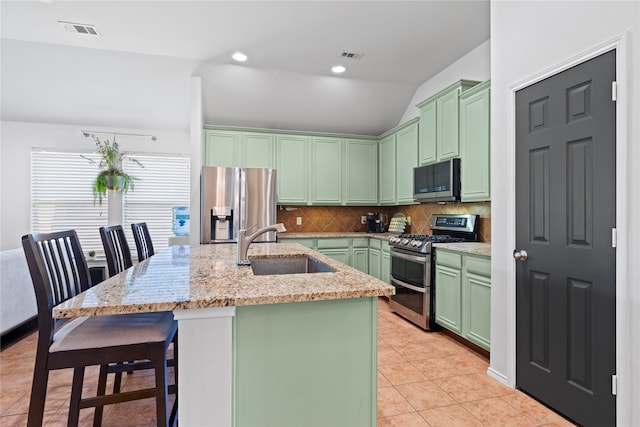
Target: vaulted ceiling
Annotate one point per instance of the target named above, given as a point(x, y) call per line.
point(136, 72)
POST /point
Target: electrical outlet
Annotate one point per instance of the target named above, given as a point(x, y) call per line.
point(408, 220)
point(298, 220)
point(363, 219)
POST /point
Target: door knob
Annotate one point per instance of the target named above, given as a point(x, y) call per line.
point(520, 255)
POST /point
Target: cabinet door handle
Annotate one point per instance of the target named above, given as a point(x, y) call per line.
point(520, 255)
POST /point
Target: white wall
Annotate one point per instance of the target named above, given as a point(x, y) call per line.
point(17, 139)
point(528, 38)
point(475, 65)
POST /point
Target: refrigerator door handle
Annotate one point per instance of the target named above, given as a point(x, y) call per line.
point(242, 205)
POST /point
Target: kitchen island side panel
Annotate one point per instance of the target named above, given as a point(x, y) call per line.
point(306, 364)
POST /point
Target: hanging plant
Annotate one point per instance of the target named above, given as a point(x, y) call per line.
point(111, 176)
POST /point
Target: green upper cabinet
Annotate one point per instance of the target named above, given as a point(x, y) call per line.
point(361, 172)
point(406, 160)
point(221, 148)
point(428, 138)
point(439, 123)
point(292, 164)
point(238, 149)
point(257, 150)
point(326, 170)
point(387, 175)
point(475, 143)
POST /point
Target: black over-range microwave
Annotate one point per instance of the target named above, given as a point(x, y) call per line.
point(437, 182)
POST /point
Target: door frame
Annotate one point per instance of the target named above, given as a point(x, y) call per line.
point(624, 371)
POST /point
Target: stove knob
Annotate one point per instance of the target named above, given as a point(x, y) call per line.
point(405, 242)
point(417, 243)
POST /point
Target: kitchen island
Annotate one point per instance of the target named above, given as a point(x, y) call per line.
point(290, 349)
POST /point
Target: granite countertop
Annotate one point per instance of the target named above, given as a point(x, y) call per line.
point(183, 277)
point(476, 248)
point(334, 234)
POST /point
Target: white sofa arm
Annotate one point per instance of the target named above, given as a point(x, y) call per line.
point(17, 297)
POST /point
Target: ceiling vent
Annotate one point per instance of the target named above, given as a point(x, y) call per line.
point(86, 29)
point(351, 55)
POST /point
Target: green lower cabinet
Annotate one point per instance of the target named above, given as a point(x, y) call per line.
point(360, 259)
point(385, 264)
point(310, 243)
point(367, 254)
point(338, 249)
point(448, 298)
point(340, 255)
point(306, 364)
point(360, 254)
point(463, 295)
point(476, 301)
point(375, 262)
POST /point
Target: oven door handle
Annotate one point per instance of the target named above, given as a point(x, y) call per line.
point(408, 286)
point(414, 258)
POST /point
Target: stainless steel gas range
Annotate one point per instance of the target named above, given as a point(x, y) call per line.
point(412, 266)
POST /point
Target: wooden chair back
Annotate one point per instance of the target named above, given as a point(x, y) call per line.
point(58, 271)
point(144, 245)
point(116, 249)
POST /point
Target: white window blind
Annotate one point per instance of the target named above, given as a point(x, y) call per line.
point(62, 199)
point(162, 184)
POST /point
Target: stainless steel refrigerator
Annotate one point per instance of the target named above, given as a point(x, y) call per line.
point(233, 199)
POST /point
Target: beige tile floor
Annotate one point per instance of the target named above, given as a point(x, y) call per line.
point(429, 379)
point(424, 379)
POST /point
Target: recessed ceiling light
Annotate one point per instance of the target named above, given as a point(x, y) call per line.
point(239, 56)
point(338, 69)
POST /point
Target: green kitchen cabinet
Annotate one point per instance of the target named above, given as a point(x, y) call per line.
point(303, 347)
point(375, 258)
point(449, 290)
point(476, 300)
point(385, 263)
point(406, 160)
point(257, 150)
point(340, 255)
point(326, 171)
point(361, 172)
point(447, 125)
point(463, 296)
point(336, 248)
point(360, 259)
point(232, 148)
point(428, 139)
point(309, 243)
point(221, 148)
point(439, 124)
point(387, 175)
point(475, 144)
point(292, 164)
point(360, 254)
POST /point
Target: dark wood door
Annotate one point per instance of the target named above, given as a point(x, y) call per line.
point(565, 213)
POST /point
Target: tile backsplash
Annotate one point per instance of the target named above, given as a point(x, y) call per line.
point(347, 218)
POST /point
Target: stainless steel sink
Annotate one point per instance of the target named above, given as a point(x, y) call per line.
point(296, 265)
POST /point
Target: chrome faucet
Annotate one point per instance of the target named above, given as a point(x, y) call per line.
point(244, 241)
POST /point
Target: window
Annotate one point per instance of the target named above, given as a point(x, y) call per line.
point(61, 196)
point(163, 183)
